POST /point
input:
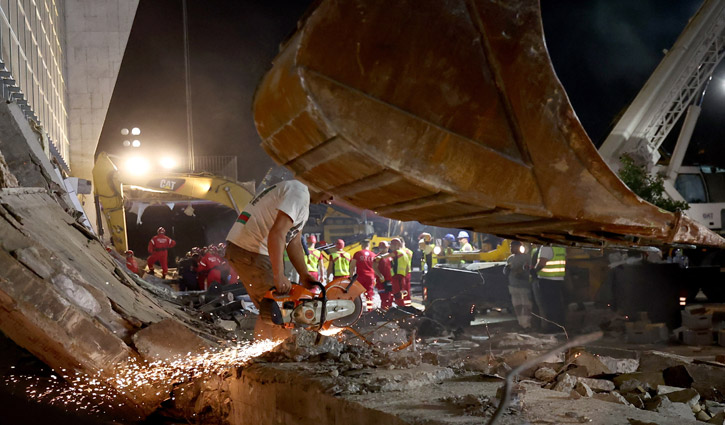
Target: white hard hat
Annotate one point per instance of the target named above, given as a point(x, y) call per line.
point(463, 234)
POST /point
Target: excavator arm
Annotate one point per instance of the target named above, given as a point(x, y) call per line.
point(449, 113)
point(109, 182)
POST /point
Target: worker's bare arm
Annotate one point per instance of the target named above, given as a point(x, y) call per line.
point(275, 246)
point(353, 265)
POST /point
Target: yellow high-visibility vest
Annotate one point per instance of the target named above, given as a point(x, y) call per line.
point(342, 263)
point(313, 260)
point(556, 267)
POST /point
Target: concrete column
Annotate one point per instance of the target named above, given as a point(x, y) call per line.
point(96, 35)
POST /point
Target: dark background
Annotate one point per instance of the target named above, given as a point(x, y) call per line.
point(602, 50)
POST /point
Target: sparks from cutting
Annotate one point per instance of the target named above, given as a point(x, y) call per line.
point(101, 393)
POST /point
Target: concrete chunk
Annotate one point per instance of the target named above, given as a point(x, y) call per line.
point(613, 397)
point(565, 383)
point(168, 339)
point(598, 385)
point(545, 374)
point(583, 389)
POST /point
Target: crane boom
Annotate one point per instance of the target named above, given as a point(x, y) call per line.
point(672, 87)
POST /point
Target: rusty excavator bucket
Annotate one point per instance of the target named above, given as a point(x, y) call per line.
point(449, 112)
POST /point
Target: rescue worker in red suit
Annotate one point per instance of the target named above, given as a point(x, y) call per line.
point(384, 277)
point(159, 249)
point(211, 263)
point(362, 264)
point(399, 264)
point(131, 261)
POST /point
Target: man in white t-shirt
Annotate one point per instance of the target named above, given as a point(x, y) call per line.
point(267, 226)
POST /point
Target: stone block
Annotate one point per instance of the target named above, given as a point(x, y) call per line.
point(663, 405)
point(697, 320)
point(651, 333)
point(697, 337)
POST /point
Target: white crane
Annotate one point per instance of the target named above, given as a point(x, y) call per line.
point(677, 85)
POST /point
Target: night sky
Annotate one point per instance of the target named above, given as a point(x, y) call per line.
point(602, 50)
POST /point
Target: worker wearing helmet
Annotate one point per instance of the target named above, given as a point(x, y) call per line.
point(362, 266)
point(463, 241)
point(339, 261)
point(384, 277)
point(159, 247)
point(400, 264)
point(131, 261)
point(314, 259)
point(211, 266)
point(426, 245)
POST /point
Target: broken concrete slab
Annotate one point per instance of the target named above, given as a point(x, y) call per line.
point(591, 362)
point(662, 404)
point(168, 339)
point(613, 397)
point(688, 396)
point(619, 365)
point(646, 379)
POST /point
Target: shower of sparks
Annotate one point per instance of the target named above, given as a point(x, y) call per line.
point(101, 393)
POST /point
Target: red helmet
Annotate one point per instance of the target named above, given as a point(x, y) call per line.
point(383, 243)
point(129, 252)
point(312, 239)
point(340, 244)
point(160, 230)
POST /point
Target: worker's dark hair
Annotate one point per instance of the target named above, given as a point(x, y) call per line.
point(515, 243)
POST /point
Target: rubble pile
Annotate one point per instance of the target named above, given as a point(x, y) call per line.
point(668, 390)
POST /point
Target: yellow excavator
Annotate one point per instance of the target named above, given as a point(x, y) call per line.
point(109, 183)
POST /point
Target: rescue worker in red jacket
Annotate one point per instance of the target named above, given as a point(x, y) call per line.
point(211, 263)
point(400, 263)
point(339, 261)
point(159, 249)
point(384, 276)
point(131, 261)
point(362, 265)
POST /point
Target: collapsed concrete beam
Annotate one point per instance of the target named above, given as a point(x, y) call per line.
point(64, 299)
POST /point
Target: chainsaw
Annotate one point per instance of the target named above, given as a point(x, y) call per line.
point(339, 304)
